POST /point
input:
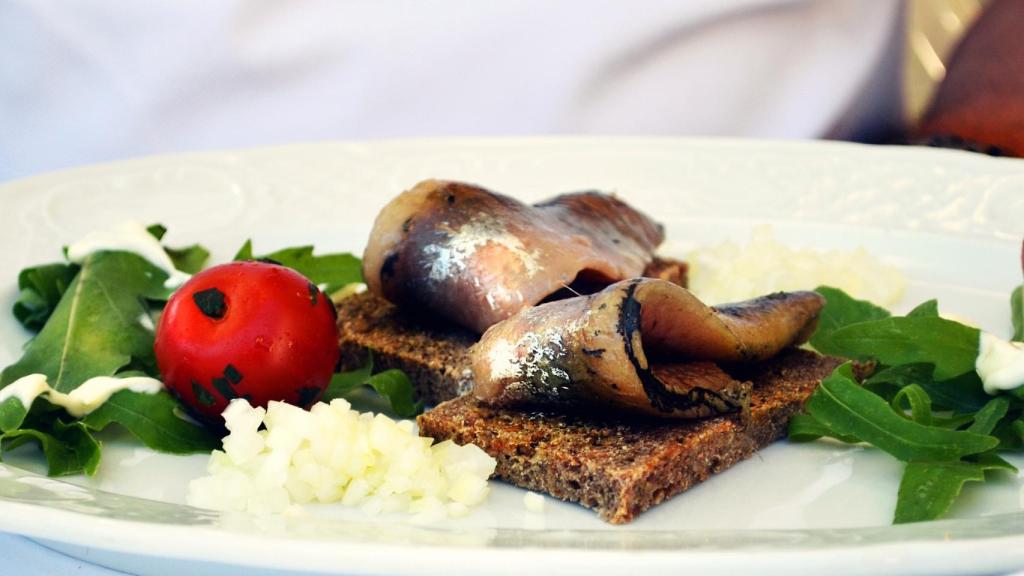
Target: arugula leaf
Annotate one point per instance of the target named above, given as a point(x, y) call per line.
point(962, 394)
point(12, 414)
point(331, 270)
point(151, 418)
point(841, 310)
point(1010, 431)
point(245, 252)
point(805, 428)
point(925, 362)
point(986, 419)
point(393, 384)
point(41, 289)
point(928, 489)
point(68, 448)
point(952, 347)
point(994, 461)
point(847, 409)
point(926, 309)
point(1017, 313)
point(920, 404)
point(189, 259)
point(95, 329)
point(157, 231)
point(953, 422)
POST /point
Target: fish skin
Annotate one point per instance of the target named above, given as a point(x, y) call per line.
point(476, 257)
point(642, 345)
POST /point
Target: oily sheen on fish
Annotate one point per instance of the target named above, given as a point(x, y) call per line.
point(643, 345)
point(476, 257)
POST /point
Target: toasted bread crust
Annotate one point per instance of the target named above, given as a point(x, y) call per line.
point(622, 467)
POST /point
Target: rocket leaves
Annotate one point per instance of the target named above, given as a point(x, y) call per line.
point(94, 319)
point(95, 330)
point(841, 310)
point(847, 409)
point(154, 420)
point(392, 384)
point(40, 289)
point(97, 318)
point(922, 401)
point(949, 346)
point(331, 271)
point(928, 489)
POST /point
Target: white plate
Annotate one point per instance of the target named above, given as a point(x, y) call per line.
point(952, 221)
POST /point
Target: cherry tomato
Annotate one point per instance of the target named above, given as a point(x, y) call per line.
point(250, 330)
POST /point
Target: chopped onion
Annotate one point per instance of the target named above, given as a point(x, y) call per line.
point(335, 454)
point(729, 272)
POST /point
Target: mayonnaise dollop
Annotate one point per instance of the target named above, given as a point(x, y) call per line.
point(1000, 363)
point(130, 236)
point(89, 396)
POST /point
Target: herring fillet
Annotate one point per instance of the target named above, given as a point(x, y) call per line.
point(643, 345)
point(475, 257)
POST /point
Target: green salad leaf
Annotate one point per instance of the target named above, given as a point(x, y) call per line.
point(841, 310)
point(12, 414)
point(847, 409)
point(329, 270)
point(928, 489)
point(68, 448)
point(926, 309)
point(190, 259)
point(986, 419)
point(924, 402)
point(920, 404)
point(96, 328)
point(154, 419)
point(805, 428)
point(962, 394)
point(949, 346)
point(392, 384)
point(94, 319)
point(41, 288)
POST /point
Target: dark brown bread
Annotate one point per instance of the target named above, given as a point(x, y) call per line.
point(431, 352)
point(618, 467)
point(622, 467)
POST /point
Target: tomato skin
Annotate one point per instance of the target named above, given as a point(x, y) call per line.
point(250, 330)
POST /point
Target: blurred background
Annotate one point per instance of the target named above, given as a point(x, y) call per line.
point(98, 80)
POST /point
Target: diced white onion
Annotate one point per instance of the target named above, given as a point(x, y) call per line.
point(335, 454)
point(729, 272)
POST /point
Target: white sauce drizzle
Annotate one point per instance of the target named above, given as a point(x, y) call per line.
point(146, 321)
point(89, 396)
point(133, 237)
point(1000, 363)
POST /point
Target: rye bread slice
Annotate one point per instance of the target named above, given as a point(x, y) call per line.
point(433, 355)
point(619, 467)
point(431, 352)
point(622, 467)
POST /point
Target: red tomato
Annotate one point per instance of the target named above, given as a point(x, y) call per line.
point(249, 330)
